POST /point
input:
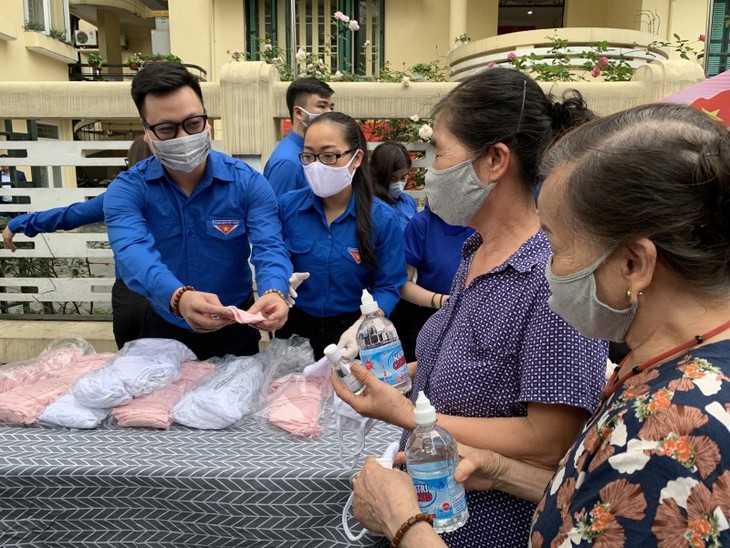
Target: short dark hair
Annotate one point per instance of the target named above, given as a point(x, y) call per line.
point(138, 151)
point(658, 171)
point(502, 105)
point(352, 135)
point(299, 90)
point(161, 78)
point(385, 160)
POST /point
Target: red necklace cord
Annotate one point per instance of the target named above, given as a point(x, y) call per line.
point(614, 382)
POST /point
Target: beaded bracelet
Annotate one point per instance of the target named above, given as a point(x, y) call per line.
point(410, 522)
point(275, 291)
point(175, 306)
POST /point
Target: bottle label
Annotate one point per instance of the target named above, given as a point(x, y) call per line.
point(386, 362)
point(442, 496)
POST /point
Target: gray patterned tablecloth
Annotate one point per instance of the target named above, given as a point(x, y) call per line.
point(247, 486)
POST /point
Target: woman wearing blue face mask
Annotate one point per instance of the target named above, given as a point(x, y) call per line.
point(502, 370)
point(389, 167)
point(335, 230)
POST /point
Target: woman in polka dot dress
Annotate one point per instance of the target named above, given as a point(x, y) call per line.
point(502, 370)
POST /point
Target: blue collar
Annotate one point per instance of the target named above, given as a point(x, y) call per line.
point(530, 254)
point(315, 202)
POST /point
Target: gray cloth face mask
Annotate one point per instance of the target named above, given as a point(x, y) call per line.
point(574, 299)
point(184, 153)
point(455, 194)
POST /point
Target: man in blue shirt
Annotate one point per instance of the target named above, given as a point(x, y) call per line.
point(306, 98)
point(183, 222)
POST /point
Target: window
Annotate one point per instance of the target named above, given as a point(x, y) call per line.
point(47, 16)
point(519, 15)
point(317, 31)
point(717, 43)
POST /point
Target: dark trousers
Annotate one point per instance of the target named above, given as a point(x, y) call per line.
point(129, 312)
point(408, 319)
point(320, 331)
point(236, 339)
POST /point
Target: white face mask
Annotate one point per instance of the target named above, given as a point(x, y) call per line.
point(574, 299)
point(184, 153)
point(396, 189)
point(311, 116)
point(352, 428)
point(455, 194)
point(327, 181)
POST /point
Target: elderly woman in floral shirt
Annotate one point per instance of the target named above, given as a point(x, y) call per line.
point(637, 210)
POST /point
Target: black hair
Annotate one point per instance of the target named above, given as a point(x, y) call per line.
point(161, 78)
point(658, 171)
point(502, 105)
point(386, 159)
point(361, 186)
point(138, 151)
point(299, 90)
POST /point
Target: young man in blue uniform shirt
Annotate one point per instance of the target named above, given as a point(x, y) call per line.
point(306, 98)
point(182, 224)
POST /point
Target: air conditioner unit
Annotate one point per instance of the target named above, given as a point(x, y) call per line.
point(86, 38)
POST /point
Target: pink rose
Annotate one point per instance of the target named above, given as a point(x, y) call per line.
point(603, 61)
point(596, 72)
point(491, 64)
point(701, 38)
point(511, 56)
point(339, 16)
point(415, 118)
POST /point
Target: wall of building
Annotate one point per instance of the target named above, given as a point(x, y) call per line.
point(18, 62)
point(416, 31)
point(483, 16)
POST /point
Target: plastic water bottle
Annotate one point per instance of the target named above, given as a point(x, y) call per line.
point(341, 364)
point(380, 348)
point(431, 457)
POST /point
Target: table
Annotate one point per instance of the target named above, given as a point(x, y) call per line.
point(113, 487)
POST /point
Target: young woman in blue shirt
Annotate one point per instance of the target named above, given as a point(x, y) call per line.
point(335, 230)
point(389, 167)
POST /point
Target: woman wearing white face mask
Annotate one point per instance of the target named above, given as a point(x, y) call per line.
point(389, 167)
point(639, 225)
point(502, 370)
point(335, 230)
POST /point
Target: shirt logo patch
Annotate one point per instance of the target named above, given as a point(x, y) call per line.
point(226, 227)
point(354, 253)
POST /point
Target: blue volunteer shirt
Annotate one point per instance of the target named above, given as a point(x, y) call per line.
point(163, 239)
point(331, 255)
point(283, 170)
point(60, 218)
point(433, 248)
point(405, 208)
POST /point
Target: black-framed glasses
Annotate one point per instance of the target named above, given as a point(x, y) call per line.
point(327, 158)
point(168, 130)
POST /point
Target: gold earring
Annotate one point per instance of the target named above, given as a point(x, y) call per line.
point(628, 295)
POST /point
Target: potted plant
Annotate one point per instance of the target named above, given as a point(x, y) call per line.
point(95, 61)
point(135, 61)
point(171, 58)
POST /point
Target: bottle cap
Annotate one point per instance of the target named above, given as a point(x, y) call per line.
point(424, 413)
point(333, 353)
point(368, 305)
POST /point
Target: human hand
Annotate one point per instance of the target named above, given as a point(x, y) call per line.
point(8, 239)
point(275, 310)
point(295, 281)
point(379, 400)
point(480, 469)
point(384, 498)
point(203, 311)
point(348, 340)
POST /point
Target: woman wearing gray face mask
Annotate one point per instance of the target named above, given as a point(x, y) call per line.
point(502, 370)
point(643, 214)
